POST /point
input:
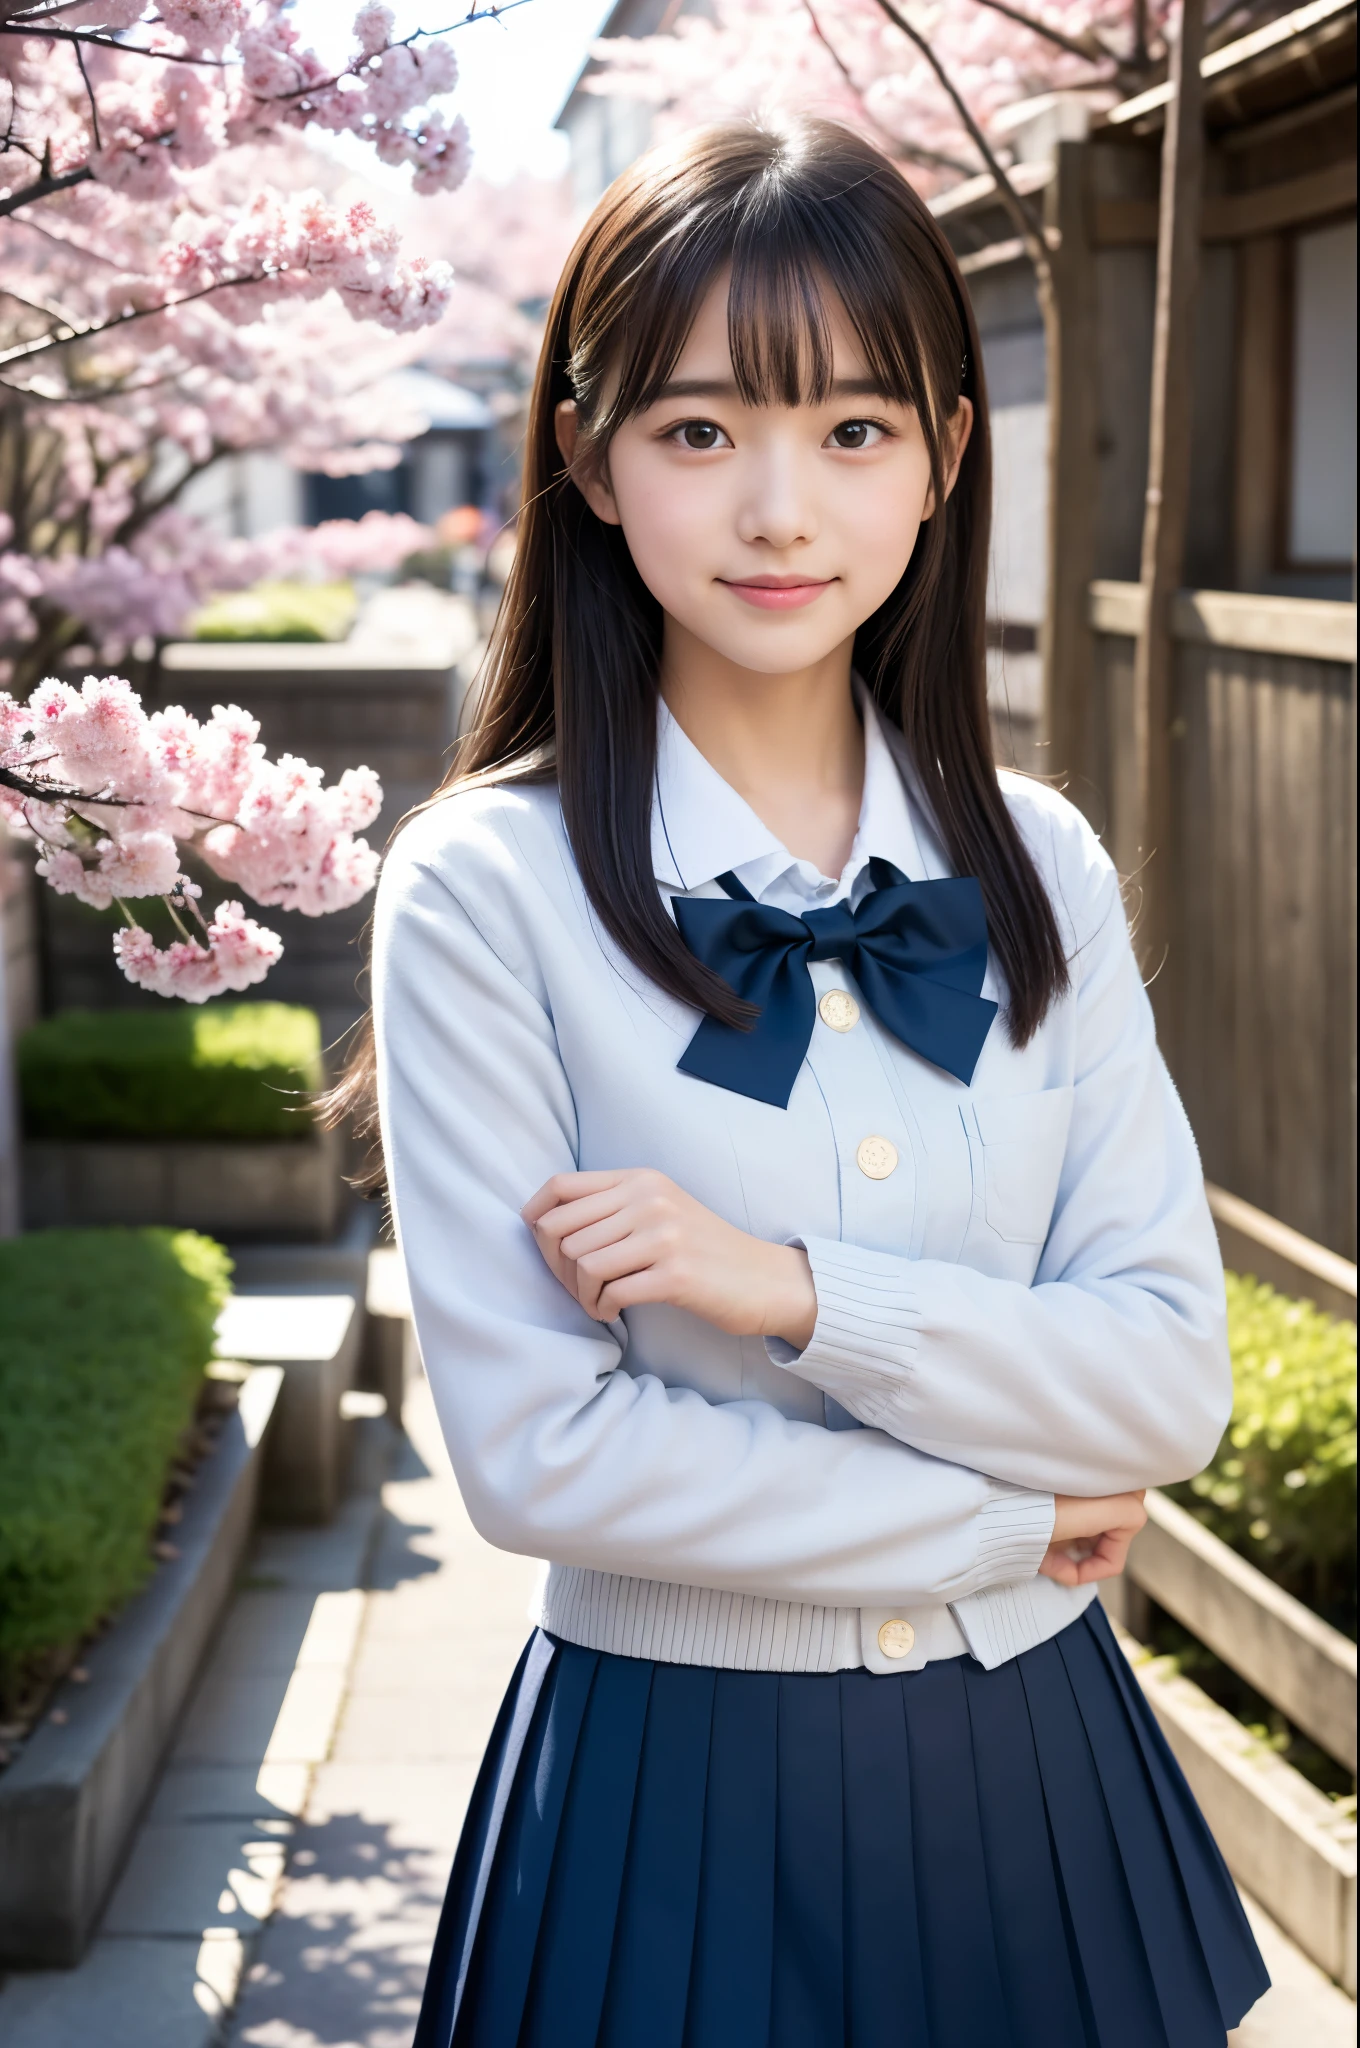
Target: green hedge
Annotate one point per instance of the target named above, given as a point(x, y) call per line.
point(218, 1070)
point(1282, 1488)
point(279, 611)
point(104, 1335)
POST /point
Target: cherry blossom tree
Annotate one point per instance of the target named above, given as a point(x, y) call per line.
point(926, 81)
point(176, 288)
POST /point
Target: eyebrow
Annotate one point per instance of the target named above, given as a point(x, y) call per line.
point(725, 387)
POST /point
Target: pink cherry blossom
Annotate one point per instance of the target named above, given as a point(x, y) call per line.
point(235, 952)
point(114, 800)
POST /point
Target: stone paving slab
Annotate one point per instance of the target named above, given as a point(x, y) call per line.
point(186, 1875)
point(127, 1994)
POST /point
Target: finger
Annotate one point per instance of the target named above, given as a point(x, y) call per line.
point(569, 1187)
point(569, 1216)
point(579, 1244)
point(632, 1291)
point(612, 1262)
point(1058, 1565)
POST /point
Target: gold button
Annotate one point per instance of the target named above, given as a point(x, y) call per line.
point(876, 1156)
point(839, 1009)
point(895, 1638)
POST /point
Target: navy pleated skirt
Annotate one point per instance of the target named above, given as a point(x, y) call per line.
point(668, 1856)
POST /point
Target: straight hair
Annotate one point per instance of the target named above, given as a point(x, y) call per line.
point(800, 213)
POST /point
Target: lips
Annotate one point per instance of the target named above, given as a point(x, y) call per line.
point(777, 593)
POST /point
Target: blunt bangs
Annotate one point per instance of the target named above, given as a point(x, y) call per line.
point(797, 235)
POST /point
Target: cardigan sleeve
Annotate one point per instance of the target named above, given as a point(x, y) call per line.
point(1109, 1372)
point(560, 1451)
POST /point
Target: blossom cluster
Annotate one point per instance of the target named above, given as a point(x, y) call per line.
point(114, 797)
point(149, 588)
point(142, 126)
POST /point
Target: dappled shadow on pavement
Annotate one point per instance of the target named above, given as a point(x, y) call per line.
point(342, 1964)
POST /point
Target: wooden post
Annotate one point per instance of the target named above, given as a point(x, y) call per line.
point(1067, 644)
point(1168, 487)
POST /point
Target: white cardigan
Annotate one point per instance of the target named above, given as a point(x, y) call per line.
point(1030, 1303)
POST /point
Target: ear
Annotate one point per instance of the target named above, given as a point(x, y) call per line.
point(593, 486)
point(957, 436)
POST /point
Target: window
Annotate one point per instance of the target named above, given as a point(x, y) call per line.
point(1320, 530)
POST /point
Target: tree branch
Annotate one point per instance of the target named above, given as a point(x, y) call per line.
point(1027, 222)
point(43, 188)
point(929, 157)
point(1089, 46)
point(38, 347)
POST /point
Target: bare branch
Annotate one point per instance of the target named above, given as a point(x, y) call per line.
point(89, 94)
point(1027, 222)
point(43, 188)
point(931, 158)
point(28, 349)
point(1087, 46)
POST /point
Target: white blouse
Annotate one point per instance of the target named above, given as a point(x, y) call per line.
point(1019, 1289)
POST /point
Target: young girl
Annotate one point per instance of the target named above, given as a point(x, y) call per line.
point(808, 1251)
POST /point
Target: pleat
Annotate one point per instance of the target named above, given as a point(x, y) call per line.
point(807, 1994)
point(964, 1997)
point(576, 1934)
point(463, 1901)
point(1039, 1973)
point(1231, 1957)
point(729, 1990)
point(654, 1942)
point(498, 1982)
point(1189, 2007)
point(882, 1940)
point(1115, 1964)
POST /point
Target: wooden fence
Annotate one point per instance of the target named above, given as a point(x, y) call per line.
point(1256, 997)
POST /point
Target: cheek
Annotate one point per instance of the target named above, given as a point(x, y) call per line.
point(877, 517)
point(670, 523)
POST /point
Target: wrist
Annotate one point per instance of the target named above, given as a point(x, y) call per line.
point(791, 1310)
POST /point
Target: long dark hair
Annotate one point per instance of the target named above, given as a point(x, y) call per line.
point(800, 211)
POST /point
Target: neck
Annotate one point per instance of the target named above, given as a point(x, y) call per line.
point(790, 744)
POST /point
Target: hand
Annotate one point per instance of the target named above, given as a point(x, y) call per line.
point(1091, 1538)
point(621, 1237)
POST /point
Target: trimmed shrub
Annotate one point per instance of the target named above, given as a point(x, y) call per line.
point(279, 611)
point(1282, 1487)
point(104, 1336)
point(217, 1070)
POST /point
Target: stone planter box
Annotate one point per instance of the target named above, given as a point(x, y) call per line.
point(229, 1188)
point(69, 1805)
point(314, 1339)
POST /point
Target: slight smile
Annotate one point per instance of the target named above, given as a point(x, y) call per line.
point(777, 593)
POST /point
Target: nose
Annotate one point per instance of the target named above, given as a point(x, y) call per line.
point(777, 505)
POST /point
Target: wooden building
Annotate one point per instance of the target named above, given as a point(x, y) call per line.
point(1254, 982)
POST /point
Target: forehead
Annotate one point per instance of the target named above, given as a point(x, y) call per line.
point(706, 352)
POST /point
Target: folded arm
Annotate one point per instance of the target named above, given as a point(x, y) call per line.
point(1111, 1371)
point(558, 1451)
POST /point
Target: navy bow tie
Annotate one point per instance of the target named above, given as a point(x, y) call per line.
point(918, 951)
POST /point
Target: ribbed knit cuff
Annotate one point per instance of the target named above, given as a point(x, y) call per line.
point(863, 1345)
point(1015, 1528)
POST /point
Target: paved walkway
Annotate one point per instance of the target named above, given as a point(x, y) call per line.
point(284, 1888)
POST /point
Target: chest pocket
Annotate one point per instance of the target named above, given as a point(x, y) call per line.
point(1024, 1142)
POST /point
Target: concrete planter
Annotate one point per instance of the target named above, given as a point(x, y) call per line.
point(314, 1339)
point(69, 1805)
point(240, 1188)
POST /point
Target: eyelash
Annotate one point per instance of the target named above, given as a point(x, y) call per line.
point(682, 426)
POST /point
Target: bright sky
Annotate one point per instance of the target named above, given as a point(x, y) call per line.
point(516, 70)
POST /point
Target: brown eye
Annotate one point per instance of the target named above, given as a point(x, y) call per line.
point(853, 434)
point(700, 434)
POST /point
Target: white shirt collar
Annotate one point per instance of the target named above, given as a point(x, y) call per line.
point(702, 828)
